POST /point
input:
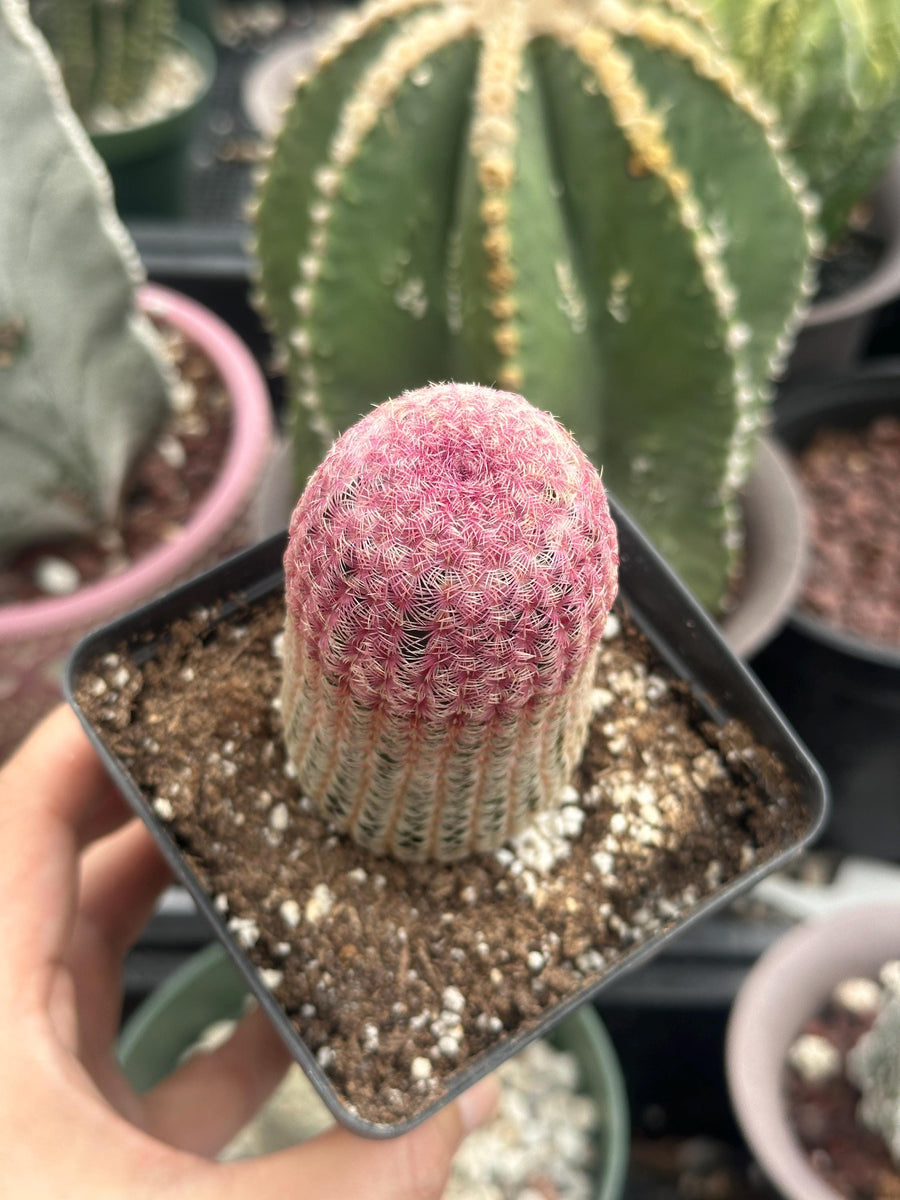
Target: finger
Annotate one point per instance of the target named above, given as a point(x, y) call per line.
point(212, 1097)
point(54, 797)
point(121, 879)
point(339, 1164)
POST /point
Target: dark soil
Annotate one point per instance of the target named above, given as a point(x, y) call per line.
point(851, 478)
point(847, 263)
point(397, 975)
point(166, 486)
point(849, 1157)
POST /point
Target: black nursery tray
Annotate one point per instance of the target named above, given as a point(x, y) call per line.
point(681, 635)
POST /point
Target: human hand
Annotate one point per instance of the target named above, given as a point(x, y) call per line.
point(78, 881)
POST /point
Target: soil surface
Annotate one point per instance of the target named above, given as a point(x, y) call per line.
point(395, 975)
point(852, 1159)
point(166, 486)
point(851, 478)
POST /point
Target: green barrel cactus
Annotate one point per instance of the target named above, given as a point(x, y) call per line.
point(832, 68)
point(108, 50)
point(83, 388)
point(580, 201)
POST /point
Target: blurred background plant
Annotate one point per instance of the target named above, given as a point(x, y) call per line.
point(832, 68)
point(108, 50)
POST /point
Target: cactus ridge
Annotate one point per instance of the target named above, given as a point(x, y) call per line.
point(583, 200)
point(449, 571)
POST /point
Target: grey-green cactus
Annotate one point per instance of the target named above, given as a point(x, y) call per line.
point(82, 387)
point(832, 67)
point(874, 1066)
point(577, 199)
point(108, 50)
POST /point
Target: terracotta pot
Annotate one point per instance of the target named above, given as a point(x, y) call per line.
point(775, 541)
point(785, 988)
point(36, 637)
point(835, 331)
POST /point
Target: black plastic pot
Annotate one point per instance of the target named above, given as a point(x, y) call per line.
point(148, 163)
point(841, 692)
point(669, 616)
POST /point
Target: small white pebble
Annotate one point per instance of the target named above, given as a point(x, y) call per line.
point(448, 1046)
point(319, 904)
point(452, 1000)
point(278, 644)
point(171, 451)
point(612, 628)
point(289, 912)
point(859, 996)
point(56, 576)
point(307, 1011)
point(271, 978)
point(98, 687)
point(601, 698)
point(618, 824)
point(420, 1069)
point(187, 674)
point(603, 862)
point(121, 677)
point(290, 771)
point(278, 818)
point(357, 875)
point(325, 1057)
point(220, 904)
point(163, 808)
point(468, 895)
point(814, 1058)
point(370, 1038)
point(536, 961)
point(246, 930)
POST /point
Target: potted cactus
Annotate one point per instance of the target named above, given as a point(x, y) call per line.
point(87, 392)
point(833, 72)
point(136, 80)
point(812, 1056)
point(519, 195)
point(430, 790)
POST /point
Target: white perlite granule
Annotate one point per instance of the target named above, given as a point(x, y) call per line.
point(814, 1058)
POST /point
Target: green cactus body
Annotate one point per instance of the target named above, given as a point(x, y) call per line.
point(82, 387)
point(581, 201)
point(108, 50)
point(832, 67)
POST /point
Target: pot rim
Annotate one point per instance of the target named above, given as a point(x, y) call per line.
point(248, 446)
point(883, 284)
point(878, 388)
point(775, 543)
point(788, 984)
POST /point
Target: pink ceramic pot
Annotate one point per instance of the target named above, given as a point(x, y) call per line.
point(786, 987)
point(36, 637)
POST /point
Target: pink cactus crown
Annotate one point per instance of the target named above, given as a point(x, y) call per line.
point(452, 557)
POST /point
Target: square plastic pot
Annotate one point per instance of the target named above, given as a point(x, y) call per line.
point(667, 614)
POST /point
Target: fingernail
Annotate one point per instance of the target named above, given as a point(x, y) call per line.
point(479, 1103)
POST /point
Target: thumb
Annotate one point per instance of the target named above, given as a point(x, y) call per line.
point(339, 1164)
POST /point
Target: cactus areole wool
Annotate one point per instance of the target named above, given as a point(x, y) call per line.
point(450, 568)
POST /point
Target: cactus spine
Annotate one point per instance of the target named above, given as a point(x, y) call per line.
point(83, 388)
point(449, 572)
point(832, 67)
point(108, 50)
point(580, 199)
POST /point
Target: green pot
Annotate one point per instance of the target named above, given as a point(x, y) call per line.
point(208, 989)
point(148, 163)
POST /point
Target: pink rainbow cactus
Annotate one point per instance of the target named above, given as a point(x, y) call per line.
point(450, 569)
